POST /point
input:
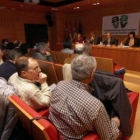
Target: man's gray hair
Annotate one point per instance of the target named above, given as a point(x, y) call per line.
point(79, 48)
point(82, 67)
point(40, 46)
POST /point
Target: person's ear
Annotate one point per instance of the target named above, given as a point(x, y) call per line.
point(23, 73)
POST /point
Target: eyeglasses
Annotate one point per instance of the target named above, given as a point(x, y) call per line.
point(37, 68)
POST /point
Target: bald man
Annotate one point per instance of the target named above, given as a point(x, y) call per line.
point(78, 49)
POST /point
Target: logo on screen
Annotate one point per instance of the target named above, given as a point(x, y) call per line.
point(122, 21)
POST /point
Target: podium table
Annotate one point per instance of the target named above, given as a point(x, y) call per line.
point(129, 58)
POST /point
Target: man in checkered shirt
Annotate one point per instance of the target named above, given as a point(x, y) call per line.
point(74, 111)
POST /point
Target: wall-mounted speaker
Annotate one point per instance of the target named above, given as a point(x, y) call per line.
point(49, 19)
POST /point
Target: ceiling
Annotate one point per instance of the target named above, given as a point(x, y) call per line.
point(49, 6)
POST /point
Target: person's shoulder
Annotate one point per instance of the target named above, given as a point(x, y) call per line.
point(14, 75)
point(63, 83)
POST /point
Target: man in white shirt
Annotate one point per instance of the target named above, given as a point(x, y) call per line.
point(31, 83)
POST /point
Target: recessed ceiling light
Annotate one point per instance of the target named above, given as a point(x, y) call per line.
point(55, 9)
point(96, 3)
point(76, 7)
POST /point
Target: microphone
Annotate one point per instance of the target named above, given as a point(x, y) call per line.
point(104, 40)
point(124, 40)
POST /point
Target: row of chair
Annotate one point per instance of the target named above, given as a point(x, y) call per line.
point(42, 129)
point(105, 64)
point(53, 71)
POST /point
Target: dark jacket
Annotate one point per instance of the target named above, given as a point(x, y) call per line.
point(136, 42)
point(111, 91)
point(95, 41)
point(38, 55)
point(7, 69)
point(113, 41)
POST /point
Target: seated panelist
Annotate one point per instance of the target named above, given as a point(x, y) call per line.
point(79, 39)
point(131, 41)
point(110, 40)
point(94, 39)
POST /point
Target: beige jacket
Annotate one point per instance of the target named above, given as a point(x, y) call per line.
point(30, 93)
point(66, 69)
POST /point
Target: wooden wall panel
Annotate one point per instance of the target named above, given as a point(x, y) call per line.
point(12, 23)
point(92, 20)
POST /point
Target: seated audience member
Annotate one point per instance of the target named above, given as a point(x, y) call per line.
point(67, 46)
point(79, 49)
point(24, 49)
point(79, 112)
point(94, 39)
point(4, 43)
point(10, 46)
point(8, 117)
point(42, 53)
point(110, 40)
point(31, 83)
point(47, 45)
point(131, 41)
point(79, 39)
point(8, 68)
point(17, 43)
point(2, 49)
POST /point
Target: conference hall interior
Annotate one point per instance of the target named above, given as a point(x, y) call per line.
point(69, 69)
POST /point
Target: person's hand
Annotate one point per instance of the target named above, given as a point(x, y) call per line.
point(116, 119)
point(48, 53)
point(42, 78)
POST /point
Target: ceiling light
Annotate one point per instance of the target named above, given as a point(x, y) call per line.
point(96, 3)
point(76, 7)
point(55, 9)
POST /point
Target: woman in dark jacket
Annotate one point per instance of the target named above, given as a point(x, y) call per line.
point(132, 41)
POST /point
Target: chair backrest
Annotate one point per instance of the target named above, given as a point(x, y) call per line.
point(58, 68)
point(53, 56)
point(61, 56)
point(105, 64)
point(48, 68)
point(42, 129)
point(5, 55)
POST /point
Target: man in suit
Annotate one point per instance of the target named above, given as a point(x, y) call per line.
point(8, 68)
point(110, 40)
point(94, 39)
point(42, 53)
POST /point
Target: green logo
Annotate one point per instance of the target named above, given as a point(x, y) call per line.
point(115, 22)
point(123, 21)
